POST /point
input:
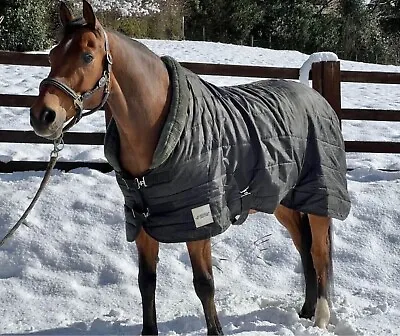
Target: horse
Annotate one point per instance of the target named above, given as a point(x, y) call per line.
point(93, 68)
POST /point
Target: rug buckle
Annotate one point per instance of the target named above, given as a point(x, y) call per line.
point(245, 192)
point(140, 183)
point(141, 215)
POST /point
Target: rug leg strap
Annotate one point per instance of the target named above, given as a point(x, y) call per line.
point(246, 206)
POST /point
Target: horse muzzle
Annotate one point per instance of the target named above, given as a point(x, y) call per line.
point(47, 123)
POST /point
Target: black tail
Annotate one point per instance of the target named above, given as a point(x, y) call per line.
point(308, 269)
point(308, 265)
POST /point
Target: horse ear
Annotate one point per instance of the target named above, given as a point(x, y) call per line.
point(88, 14)
point(65, 14)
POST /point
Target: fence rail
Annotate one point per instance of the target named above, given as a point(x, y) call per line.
point(326, 78)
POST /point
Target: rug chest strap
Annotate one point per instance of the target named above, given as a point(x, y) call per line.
point(246, 199)
point(145, 181)
point(133, 223)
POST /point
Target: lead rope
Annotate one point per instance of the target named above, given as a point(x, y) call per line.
point(58, 146)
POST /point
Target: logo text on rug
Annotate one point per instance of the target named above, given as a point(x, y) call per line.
point(202, 215)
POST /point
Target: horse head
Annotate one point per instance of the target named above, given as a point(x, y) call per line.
point(79, 77)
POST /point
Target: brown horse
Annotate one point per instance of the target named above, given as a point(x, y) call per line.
point(92, 68)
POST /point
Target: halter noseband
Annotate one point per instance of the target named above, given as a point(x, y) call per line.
point(78, 99)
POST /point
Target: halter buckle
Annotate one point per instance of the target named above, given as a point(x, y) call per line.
point(102, 81)
point(109, 58)
point(78, 102)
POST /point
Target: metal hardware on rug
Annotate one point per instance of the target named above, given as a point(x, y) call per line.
point(58, 146)
point(140, 183)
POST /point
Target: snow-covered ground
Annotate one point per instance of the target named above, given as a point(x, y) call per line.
point(72, 273)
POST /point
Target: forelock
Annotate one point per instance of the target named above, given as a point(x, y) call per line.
point(73, 25)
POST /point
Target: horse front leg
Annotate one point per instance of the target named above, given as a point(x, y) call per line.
point(322, 258)
point(200, 257)
point(148, 256)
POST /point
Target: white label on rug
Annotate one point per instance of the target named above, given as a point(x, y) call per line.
point(202, 215)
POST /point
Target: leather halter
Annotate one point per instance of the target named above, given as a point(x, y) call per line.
point(78, 99)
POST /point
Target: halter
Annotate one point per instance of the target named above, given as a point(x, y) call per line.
point(78, 99)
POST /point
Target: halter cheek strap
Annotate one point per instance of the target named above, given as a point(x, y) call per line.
point(78, 99)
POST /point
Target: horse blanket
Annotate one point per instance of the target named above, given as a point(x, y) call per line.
point(225, 150)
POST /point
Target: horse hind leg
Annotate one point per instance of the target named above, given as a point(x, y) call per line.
point(200, 257)
point(299, 229)
point(321, 251)
point(148, 256)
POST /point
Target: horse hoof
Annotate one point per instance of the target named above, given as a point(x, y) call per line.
point(215, 331)
point(307, 313)
point(149, 331)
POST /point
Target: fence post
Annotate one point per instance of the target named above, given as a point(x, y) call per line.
point(183, 28)
point(326, 80)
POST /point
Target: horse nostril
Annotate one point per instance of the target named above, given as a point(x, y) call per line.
point(47, 116)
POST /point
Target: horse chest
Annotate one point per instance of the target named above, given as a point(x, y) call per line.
point(132, 161)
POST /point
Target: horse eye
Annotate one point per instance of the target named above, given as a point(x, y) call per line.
point(87, 58)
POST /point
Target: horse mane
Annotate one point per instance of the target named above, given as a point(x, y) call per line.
point(135, 44)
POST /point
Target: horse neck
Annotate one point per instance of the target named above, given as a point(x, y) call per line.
point(138, 101)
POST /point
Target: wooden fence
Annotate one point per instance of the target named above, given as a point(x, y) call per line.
point(326, 78)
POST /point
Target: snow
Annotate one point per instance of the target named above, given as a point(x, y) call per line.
point(315, 58)
point(71, 272)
